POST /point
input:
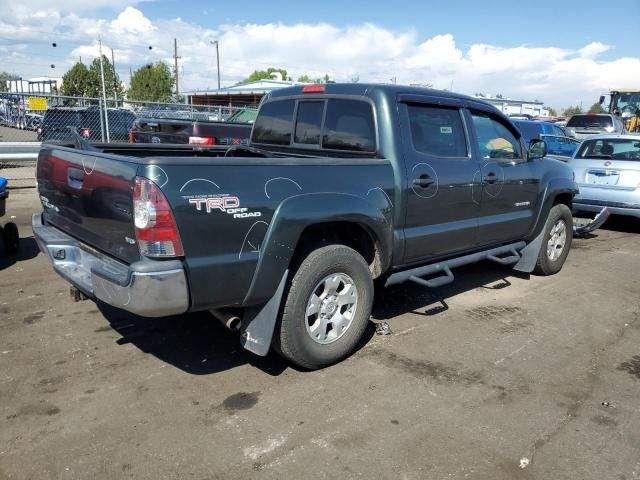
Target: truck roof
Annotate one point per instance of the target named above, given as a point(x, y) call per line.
point(365, 88)
point(389, 90)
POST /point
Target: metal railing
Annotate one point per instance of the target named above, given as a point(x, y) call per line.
point(26, 119)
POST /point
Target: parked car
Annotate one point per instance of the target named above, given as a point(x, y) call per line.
point(200, 132)
point(89, 121)
point(33, 121)
point(559, 144)
point(587, 124)
point(607, 171)
point(341, 184)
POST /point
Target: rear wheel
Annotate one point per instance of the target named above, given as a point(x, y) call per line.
point(327, 307)
point(556, 243)
point(10, 238)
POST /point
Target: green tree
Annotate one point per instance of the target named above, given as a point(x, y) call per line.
point(152, 83)
point(75, 83)
point(266, 74)
point(552, 112)
point(4, 76)
point(596, 108)
point(570, 111)
point(112, 82)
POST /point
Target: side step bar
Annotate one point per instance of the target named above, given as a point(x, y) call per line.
point(512, 252)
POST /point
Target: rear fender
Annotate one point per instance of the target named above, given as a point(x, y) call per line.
point(301, 211)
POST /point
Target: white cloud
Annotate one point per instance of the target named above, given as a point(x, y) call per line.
point(556, 75)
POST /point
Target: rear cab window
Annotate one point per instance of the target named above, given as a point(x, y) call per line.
point(610, 148)
point(590, 121)
point(333, 124)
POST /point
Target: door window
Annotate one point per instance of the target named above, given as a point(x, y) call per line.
point(437, 131)
point(495, 140)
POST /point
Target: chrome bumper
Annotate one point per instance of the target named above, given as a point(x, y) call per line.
point(148, 288)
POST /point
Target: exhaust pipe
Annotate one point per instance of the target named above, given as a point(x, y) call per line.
point(228, 319)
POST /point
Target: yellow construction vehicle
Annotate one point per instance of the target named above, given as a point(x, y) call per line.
point(625, 104)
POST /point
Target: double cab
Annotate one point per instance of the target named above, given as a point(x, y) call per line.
point(282, 239)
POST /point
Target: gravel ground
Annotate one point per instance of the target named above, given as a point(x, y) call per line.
point(476, 377)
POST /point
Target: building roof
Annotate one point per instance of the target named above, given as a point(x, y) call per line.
point(258, 87)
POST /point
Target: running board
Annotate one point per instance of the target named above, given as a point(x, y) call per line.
point(495, 255)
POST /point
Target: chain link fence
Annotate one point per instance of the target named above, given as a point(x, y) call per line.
point(27, 119)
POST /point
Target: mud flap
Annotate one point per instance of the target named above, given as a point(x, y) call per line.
point(594, 224)
point(529, 255)
point(258, 323)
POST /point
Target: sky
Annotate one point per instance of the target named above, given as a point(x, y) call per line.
point(563, 53)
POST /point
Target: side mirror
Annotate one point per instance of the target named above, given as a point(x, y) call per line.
point(601, 99)
point(537, 149)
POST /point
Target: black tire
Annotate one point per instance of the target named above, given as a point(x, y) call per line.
point(545, 264)
point(291, 338)
point(10, 238)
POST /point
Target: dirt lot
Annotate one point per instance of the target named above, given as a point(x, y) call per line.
point(475, 376)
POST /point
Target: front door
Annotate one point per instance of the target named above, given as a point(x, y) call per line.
point(509, 182)
point(443, 190)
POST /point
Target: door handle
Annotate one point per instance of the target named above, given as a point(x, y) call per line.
point(490, 178)
point(423, 181)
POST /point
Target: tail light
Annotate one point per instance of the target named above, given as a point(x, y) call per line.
point(130, 136)
point(156, 229)
point(202, 140)
point(39, 130)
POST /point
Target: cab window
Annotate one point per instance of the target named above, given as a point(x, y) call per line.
point(495, 140)
point(274, 124)
point(437, 131)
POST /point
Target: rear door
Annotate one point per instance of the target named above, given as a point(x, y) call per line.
point(509, 182)
point(443, 190)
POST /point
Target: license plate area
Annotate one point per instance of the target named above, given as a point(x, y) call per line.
point(603, 177)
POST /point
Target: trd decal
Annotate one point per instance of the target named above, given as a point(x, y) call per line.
point(215, 203)
point(226, 204)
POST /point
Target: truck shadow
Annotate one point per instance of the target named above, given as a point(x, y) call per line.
point(28, 249)
point(195, 343)
point(411, 297)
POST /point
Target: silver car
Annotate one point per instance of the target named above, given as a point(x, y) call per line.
point(607, 171)
point(586, 124)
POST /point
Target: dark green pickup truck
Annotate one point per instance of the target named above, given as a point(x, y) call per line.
point(283, 238)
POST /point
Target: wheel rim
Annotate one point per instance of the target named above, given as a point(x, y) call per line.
point(557, 240)
point(331, 308)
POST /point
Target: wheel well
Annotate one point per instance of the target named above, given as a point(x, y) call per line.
point(564, 198)
point(350, 234)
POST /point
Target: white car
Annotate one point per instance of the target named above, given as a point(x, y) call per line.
point(607, 172)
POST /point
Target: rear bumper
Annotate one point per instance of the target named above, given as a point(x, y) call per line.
point(148, 288)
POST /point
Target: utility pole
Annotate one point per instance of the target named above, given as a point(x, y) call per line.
point(215, 42)
point(115, 82)
point(175, 60)
point(104, 91)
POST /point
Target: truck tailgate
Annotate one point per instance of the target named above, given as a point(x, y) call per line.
point(90, 197)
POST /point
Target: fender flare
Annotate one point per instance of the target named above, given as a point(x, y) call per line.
point(554, 187)
point(298, 212)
